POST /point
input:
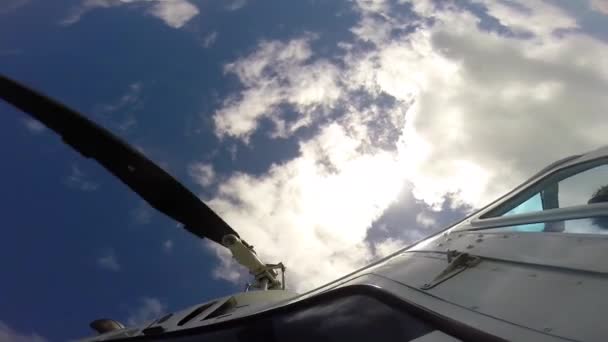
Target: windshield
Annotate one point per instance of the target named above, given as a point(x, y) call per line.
point(579, 185)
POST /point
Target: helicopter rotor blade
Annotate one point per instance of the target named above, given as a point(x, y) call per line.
point(147, 179)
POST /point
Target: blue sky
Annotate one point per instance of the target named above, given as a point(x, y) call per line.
point(327, 133)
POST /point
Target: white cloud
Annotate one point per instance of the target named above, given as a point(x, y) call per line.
point(7, 334)
point(202, 173)
point(600, 6)
point(78, 180)
point(34, 125)
point(233, 5)
point(483, 111)
point(389, 246)
point(278, 73)
point(148, 309)
point(109, 262)
point(530, 16)
point(128, 100)
point(492, 109)
point(123, 110)
point(86, 6)
point(377, 21)
point(209, 39)
point(174, 13)
point(426, 220)
point(373, 6)
point(482, 102)
point(168, 246)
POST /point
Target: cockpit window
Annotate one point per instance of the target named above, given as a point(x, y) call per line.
point(578, 185)
point(532, 204)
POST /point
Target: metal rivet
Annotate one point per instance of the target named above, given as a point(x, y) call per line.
point(470, 246)
point(495, 269)
point(449, 239)
point(474, 307)
point(532, 275)
point(439, 244)
point(547, 329)
point(505, 236)
point(459, 235)
point(479, 240)
point(480, 235)
point(580, 282)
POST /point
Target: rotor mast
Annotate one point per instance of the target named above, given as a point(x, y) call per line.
point(266, 275)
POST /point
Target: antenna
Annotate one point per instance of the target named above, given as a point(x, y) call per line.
point(266, 276)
